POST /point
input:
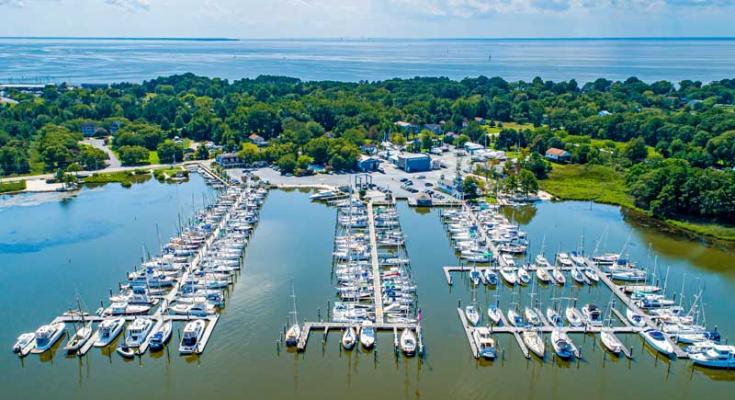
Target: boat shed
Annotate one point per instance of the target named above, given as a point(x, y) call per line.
point(414, 162)
point(228, 160)
point(472, 148)
point(367, 164)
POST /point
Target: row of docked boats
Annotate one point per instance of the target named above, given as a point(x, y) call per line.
point(187, 279)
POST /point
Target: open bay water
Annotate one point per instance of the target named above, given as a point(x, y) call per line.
point(88, 242)
point(114, 60)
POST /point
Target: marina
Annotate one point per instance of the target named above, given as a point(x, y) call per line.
point(428, 249)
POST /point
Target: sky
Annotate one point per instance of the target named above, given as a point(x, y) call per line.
point(245, 19)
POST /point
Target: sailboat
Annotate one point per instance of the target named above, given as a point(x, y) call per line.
point(408, 342)
point(473, 316)
point(563, 345)
point(491, 277)
point(475, 276)
point(535, 342)
point(515, 319)
point(523, 276)
point(294, 331)
point(509, 275)
point(367, 335)
point(554, 318)
point(657, 340)
point(611, 342)
point(574, 317)
point(634, 318)
point(558, 276)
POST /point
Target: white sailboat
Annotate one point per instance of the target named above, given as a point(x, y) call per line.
point(367, 335)
point(349, 338)
point(408, 342)
point(535, 342)
point(563, 345)
point(294, 331)
point(611, 342)
point(574, 317)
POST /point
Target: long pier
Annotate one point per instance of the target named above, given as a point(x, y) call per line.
point(377, 284)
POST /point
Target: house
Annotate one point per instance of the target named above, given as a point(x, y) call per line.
point(257, 140)
point(88, 129)
point(473, 148)
point(228, 160)
point(559, 155)
point(367, 164)
point(414, 162)
point(435, 128)
point(114, 127)
point(407, 127)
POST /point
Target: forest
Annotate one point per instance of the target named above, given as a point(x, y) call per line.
point(674, 142)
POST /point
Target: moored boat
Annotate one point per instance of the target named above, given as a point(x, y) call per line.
point(78, 339)
point(46, 336)
point(535, 342)
point(657, 340)
point(160, 336)
point(562, 344)
point(193, 332)
point(408, 342)
point(24, 344)
point(108, 330)
point(611, 342)
point(349, 338)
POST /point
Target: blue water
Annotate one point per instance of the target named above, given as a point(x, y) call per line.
point(90, 61)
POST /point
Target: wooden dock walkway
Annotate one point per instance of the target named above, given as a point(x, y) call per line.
point(211, 322)
point(308, 327)
point(377, 284)
point(468, 331)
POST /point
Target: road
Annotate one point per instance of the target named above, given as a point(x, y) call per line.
point(113, 162)
point(106, 170)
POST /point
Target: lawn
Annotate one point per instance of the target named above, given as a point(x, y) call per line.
point(125, 178)
point(598, 183)
point(12, 186)
point(153, 158)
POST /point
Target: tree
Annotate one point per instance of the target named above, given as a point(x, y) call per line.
point(470, 187)
point(287, 163)
point(249, 153)
point(636, 150)
point(133, 155)
point(527, 182)
point(536, 164)
point(92, 158)
point(170, 152)
point(201, 152)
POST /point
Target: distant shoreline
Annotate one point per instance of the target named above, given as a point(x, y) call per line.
point(167, 39)
point(357, 39)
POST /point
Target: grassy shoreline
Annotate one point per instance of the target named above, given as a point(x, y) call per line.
point(12, 186)
point(603, 184)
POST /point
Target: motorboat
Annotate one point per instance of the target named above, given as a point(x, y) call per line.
point(509, 275)
point(606, 259)
point(578, 259)
point(658, 341)
point(367, 335)
point(108, 330)
point(46, 336)
point(634, 318)
point(574, 317)
point(408, 342)
point(523, 276)
point(563, 345)
point(592, 315)
point(349, 338)
point(531, 316)
point(611, 342)
point(564, 260)
point(554, 318)
point(515, 319)
point(717, 356)
point(324, 194)
point(199, 309)
point(491, 277)
point(193, 332)
point(535, 342)
point(78, 339)
point(473, 316)
point(558, 276)
point(485, 343)
point(24, 344)
point(495, 314)
point(137, 332)
point(160, 336)
point(125, 308)
point(125, 351)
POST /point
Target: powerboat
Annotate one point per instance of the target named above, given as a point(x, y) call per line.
point(592, 315)
point(591, 274)
point(137, 332)
point(535, 342)
point(78, 339)
point(125, 351)
point(46, 336)
point(574, 317)
point(579, 276)
point(564, 260)
point(408, 342)
point(634, 318)
point(611, 342)
point(324, 194)
point(657, 340)
point(485, 343)
point(563, 346)
point(24, 344)
point(509, 275)
point(349, 338)
point(554, 318)
point(367, 335)
point(193, 332)
point(108, 330)
point(717, 356)
point(160, 336)
point(473, 316)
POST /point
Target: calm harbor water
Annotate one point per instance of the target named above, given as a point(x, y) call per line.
point(94, 61)
point(88, 242)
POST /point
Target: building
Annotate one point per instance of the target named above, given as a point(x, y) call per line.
point(88, 129)
point(435, 128)
point(114, 127)
point(559, 155)
point(257, 140)
point(228, 160)
point(367, 164)
point(414, 162)
point(472, 148)
point(407, 127)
